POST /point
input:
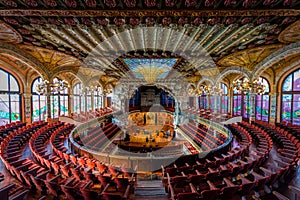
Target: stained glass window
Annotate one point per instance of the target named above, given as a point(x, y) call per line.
point(203, 99)
point(77, 98)
point(224, 99)
point(39, 103)
point(98, 98)
point(262, 102)
point(290, 98)
point(59, 102)
point(10, 100)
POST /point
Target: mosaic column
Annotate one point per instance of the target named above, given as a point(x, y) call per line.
point(273, 109)
point(27, 106)
point(251, 104)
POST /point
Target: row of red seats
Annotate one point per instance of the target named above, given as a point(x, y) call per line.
point(197, 137)
point(84, 117)
point(79, 167)
point(291, 128)
point(107, 175)
point(191, 148)
point(11, 155)
point(95, 131)
point(238, 168)
point(69, 185)
point(216, 137)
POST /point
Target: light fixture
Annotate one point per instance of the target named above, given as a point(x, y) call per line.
point(217, 91)
point(90, 89)
point(245, 86)
point(205, 90)
point(57, 86)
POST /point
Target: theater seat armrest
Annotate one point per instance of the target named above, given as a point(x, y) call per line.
point(126, 194)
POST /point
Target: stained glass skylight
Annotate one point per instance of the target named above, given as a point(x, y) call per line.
point(150, 69)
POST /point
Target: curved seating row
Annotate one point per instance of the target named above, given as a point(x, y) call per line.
point(56, 170)
point(221, 179)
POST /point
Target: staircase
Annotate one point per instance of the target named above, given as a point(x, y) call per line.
point(149, 190)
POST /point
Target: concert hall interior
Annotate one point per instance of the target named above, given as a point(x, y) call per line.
point(149, 99)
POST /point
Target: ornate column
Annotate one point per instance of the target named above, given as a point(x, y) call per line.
point(231, 101)
point(273, 108)
point(251, 103)
point(71, 104)
point(93, 100)
point(48, 96)
point(216, 99)
point(208, 101)
point(27, 107)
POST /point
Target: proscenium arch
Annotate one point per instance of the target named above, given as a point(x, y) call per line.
point(275, 57)
point(27, 59)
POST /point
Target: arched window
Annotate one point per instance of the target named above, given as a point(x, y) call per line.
point(98, 98)
point(10, 99)
point(290, 98)
point(77, 97)
point(88, 100)
point(224, 98)
point(59, 102)
point(202, 98)
point(262, 102)
point(39, 102)
point(237, 103)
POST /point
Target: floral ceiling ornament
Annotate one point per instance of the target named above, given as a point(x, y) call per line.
point(150, 21)
point(190, 3)
point(110, 3)
point(210, 3)
point(91, 3)
point(150, 3)
point(119, 21)
point(230, 2)
point(103, 21)
point(249, 3)
point(183, 20)
point(32, 3)
point(130, 3)
point(198, 21)
point(71, 3)
point(10, 3)
point(51, 3)
point(134, 21)
point(170, 3)
point(166, 21)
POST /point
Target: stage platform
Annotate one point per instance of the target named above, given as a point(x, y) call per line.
point(147, 143)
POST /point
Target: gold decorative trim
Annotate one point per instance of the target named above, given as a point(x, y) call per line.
point(9, 34)
point(291, 33)
point(145, 13)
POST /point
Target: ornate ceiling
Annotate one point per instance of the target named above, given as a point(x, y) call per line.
point(92, 37)
point(249, 58)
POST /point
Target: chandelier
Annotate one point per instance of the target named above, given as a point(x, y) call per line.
point(57, 86)
point(217, 91)
point(205, 90)
point(90, 89)
point(247, 87)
